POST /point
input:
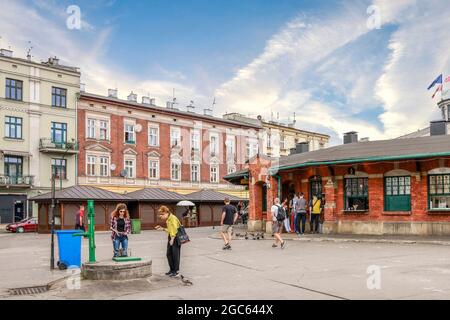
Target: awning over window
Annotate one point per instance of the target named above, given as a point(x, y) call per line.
point(15, 153)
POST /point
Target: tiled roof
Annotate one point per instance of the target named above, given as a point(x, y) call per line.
point(156, 194)
point(83, 193)
point(210, 196)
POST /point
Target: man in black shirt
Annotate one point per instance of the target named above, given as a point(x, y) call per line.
point(229, 217)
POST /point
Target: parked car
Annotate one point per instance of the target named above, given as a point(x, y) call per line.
point(26, 225)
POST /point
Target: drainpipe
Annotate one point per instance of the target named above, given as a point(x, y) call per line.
point(76, 138)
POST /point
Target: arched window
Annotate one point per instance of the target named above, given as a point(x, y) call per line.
point(315, 186)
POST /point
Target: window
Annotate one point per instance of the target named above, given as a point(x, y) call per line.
point(153, 168)
point(397, 193)
point(282, 142)
point(356, 193)
point(315, 185)
point(230, 148)
point(129, 133)
point(153, 136)
point(59, 97)
point(104, 166)
point(214, 145)
point(90, 165)
point(14, 89)
point(13, 127)
point(231, 169)
point(59, 168)
point(91, 128)
point(195, 140)
point(439, 191)
point(59, 132)
point(129, 167)
point(252, 148)
point(104, 130)
point(195, 177)
point(13, 166)
point(175, 138)
point(269, 140)
point(214, 173)
point(175, 169)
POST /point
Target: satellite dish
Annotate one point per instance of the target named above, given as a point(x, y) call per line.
point(123, 173)
point(113, 167)
point(259, 117)
point(138, 128)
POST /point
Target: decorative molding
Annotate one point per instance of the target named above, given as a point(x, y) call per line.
point(397, 172)
point(97, 147)
point(440, 170)
point(153, 154)
point(359, 174)
point(130, 151)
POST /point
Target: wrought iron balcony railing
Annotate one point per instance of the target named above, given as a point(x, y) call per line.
point(48, 145)
point(24, 181)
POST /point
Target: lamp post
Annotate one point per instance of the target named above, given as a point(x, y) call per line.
point(52, 213)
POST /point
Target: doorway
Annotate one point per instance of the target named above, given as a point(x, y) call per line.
point(19, 210)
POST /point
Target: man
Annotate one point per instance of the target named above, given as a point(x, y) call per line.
point(300, 209)
point(294, 213)
point(79, 219)
point(277, 225)
point(315, 208)
point(229, 217)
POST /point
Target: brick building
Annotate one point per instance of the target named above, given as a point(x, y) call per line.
point(125, 145)
point(399, 186)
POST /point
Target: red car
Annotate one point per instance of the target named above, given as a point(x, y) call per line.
point(26, 225)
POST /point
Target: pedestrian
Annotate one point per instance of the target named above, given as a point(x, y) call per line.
point(315, 209)
point(277, 223)
point(173, 252)
point(287, 227)
point(120, 227)
point(229, 217)
point(79, 225)
point(300, 208)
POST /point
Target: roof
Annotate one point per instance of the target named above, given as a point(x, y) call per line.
point(82, 193)
point(287, 127)
point(419, 133)
point(172, 111)
point(210, 196)
point(237, 175)
point(155, 194)
point(44, 64)
point(395, 149)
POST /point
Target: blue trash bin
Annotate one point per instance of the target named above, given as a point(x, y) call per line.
point(69, 248)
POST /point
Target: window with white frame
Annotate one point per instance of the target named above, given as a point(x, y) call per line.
point(282, 146)
point(129, 133)
point(104, 166)
point(91, 128)
point(214, 145)
point(195, 140)
point(153, 136)
point(175, 170)
point(130, 168)
point(230, 148)
point(214, 173)
point(153, 169)
point(195, 172)
point(269, 140)
point(175, 137)
point(252, 148)
point(90, 165)
point(104, 132)
point(231, 169)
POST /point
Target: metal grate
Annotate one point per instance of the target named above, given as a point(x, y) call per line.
point(28, 290)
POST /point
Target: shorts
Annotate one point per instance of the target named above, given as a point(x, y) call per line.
point(277, 227)
point(227, 228)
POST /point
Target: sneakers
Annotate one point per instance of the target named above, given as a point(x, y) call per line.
point(168, 273)
point(173, 274)
point(283, 244)
point(226, 247)
point(274, 245)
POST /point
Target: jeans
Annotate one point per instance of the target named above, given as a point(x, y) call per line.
point(120, 240)
point(302, 216)
point(296, 222)
point(286, 225)
point(315, 222)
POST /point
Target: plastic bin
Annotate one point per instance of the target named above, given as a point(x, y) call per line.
point(69, 248)
point(135, 226)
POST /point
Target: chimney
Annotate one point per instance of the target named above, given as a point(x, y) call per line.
point(146, 100)
point(300, 147)
point(190, 107)
point(132, 97)
point(438, 128)
point(366, 139)
point(112, 93)
point(207, 112)
point(350, 137)
point(53, 61)
point(6, 52)
point(169, 105)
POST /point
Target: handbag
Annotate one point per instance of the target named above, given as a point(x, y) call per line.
point(182, 236)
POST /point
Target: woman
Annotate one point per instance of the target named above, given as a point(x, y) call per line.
point(286, 221)
point(120, 227)
point(79, 218)
point(173, 246)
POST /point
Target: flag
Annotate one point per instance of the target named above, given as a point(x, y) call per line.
point(439, 88)
point(437, 80)
point(447, 79)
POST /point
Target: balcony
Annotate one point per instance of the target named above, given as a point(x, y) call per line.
point(46, 145)
point(16, 181)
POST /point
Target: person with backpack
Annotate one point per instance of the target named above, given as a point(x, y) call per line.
point(278, 216)
point(315, 209)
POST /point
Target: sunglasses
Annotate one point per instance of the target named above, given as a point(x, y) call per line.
point(121, 210)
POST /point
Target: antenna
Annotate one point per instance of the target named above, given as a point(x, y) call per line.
point(278, 116)
point(294, 118)
point(214, 103)
point(29, 50)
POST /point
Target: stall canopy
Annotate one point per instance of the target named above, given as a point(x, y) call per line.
point(211, 196)
point(82, 193)
point(155, 195)
point(238, 177)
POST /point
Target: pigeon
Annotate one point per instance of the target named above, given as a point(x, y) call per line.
point(186, 282)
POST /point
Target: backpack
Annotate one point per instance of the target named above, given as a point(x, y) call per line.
point(281, 215)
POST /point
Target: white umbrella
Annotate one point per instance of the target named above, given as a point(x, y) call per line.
point(185, 203)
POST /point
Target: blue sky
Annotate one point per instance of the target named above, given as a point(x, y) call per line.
point(316, 58)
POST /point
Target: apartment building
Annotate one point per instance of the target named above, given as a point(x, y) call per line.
point(38, 126)
point(126, 145)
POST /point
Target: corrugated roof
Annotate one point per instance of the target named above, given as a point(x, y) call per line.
point(156, 194)
point(237, 174)
point(421, 147)
point(82, 193)
point(210, 196)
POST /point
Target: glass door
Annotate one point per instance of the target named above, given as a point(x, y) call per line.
point(13, 168)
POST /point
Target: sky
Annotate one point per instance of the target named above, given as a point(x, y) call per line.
point(339, 65)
